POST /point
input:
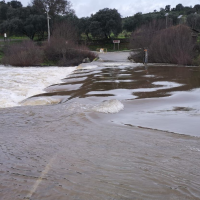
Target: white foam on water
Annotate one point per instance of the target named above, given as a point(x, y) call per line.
point(167, 84)
point(118, 64)
point(110, 106)
point(194, 149)
point(149, 76)
point(19, 83)
point(87, 66)
point(115, 81)
point(40, 101)
point(122, 64)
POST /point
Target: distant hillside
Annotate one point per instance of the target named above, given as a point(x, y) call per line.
point(173, 16)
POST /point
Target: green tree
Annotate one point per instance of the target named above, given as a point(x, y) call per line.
point(24, 21)
point(131, 23)
point(56, 7)
point(197, 8)
point(193, 20)
point(167, 8)
point(179, 7)
point(3, 11)
point(15, 4)
point(188, 10)
point(84, 26)
point(32, 20)
point(106, 21)
point(162, 10)
point(96, 29)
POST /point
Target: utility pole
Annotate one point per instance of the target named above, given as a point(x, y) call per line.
point(47, 9)
point(166, 15)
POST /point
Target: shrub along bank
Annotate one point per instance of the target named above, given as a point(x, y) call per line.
point(62, 50)
point(172, 45)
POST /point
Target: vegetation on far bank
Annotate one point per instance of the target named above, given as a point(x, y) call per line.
point(1, 54)
point(63, 50)
point(154, 30)
point(172, 45)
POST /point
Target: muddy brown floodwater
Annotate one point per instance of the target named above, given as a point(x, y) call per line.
point(70, 151)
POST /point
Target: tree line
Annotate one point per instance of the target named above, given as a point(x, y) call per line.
point(31, 20)
point(177, 15)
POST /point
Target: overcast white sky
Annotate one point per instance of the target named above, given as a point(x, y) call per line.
point(84, 8)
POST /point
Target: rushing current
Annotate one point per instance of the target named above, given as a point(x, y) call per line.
point(17, 84)
point(105, 130)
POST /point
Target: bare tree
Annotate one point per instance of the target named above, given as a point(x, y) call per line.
point(66, 31)
point(173, 45)
point(142, 37)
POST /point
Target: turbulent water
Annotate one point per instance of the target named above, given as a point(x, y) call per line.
point(17, 84)
point(106, 131)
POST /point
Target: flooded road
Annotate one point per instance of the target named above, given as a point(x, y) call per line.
point(154, 98)
point(98, 140)
point(59, 152)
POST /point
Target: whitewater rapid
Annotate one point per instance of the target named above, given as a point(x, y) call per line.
point(19, 83)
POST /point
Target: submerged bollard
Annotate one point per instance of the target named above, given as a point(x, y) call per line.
point(101, 50)
point(145, 56)
point(146, 59)
point(5, 37)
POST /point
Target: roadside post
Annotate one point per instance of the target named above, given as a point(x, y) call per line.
point(145, 55)
point(116, 42)
point(101, 50)
point(146, 59)
point(5, 37)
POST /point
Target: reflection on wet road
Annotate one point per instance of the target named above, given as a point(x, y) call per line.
point(71, 151)
point(150, 95)
point(133, 82)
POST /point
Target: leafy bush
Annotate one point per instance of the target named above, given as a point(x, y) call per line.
point(62, 50)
